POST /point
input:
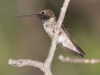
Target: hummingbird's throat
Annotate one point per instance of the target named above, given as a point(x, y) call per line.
point(49, 21)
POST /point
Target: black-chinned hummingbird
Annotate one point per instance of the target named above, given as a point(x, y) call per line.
point(65, 40)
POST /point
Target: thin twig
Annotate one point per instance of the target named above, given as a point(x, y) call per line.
point(78, 60)
point(26, 62)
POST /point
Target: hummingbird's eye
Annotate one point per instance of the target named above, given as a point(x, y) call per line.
point(42, 13)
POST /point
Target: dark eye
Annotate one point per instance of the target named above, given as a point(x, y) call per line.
point(42, 13)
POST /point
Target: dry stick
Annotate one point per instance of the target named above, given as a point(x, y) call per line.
point(78, 60)
point(45, 67)
point(57, 30)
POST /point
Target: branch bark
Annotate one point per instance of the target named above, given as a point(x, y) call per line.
point(78, 60)
point(46, 66)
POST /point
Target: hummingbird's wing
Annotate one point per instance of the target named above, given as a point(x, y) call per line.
point(79, 51)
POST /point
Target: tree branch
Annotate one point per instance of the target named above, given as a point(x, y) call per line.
point(78, 60)
point(57, 30)
point(25, 62)
point(45, 67)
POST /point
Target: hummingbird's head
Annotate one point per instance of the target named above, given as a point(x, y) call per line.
point(43, 15)
point(46, 15)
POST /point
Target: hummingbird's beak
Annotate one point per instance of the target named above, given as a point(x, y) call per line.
point(30, 15)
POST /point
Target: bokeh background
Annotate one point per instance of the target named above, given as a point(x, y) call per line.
point(25, 38)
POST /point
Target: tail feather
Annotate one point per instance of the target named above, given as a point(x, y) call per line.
point(80, 54)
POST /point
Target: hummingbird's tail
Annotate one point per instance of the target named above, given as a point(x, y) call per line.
point(80, 53)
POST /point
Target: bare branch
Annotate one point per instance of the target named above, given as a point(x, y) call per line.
point(45, 67)
point(25, 62)
point(78, 60)
point(58, 24)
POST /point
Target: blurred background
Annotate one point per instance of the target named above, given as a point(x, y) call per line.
point(25, 38)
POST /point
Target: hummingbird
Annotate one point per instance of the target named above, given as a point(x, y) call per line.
point(65, 40)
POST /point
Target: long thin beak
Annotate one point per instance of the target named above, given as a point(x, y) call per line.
point(30, 15)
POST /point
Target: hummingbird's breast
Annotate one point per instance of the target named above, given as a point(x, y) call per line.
point(49, 26)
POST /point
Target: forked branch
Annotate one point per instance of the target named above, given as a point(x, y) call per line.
point(46, 66)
